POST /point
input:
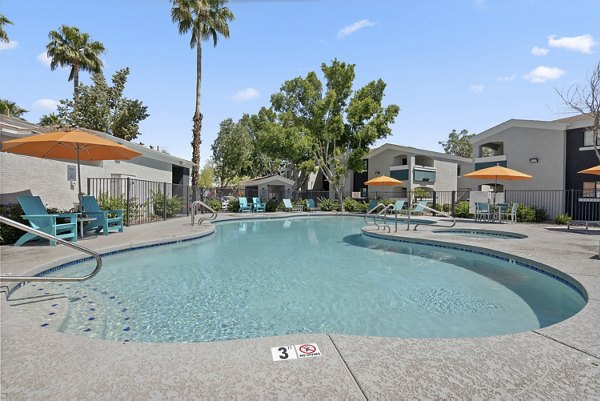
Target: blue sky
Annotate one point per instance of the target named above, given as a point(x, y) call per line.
point(448, 64)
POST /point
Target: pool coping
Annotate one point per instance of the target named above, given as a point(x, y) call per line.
point(352, 367)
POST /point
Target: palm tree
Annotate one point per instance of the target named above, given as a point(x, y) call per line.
point(50, 120)
point(207, 19)
point(71, 48)
point(11, 109)
point(3, 35)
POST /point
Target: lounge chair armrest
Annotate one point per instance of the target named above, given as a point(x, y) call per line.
point(69, 215)
point(37, 216)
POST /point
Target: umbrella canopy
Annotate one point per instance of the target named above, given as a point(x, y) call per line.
point(384, 181)
point(69, 145)
point(592, 170)
point(496, 173)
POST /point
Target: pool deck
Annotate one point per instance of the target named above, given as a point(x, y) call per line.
point(558, 362)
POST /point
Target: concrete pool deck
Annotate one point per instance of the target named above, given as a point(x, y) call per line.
point(558, 362)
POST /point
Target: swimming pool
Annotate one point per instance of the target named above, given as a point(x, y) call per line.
point(304, 275)
point(478, 233)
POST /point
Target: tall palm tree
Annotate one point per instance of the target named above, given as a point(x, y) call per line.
point(11, 109)
point(69, 47)
point(207, 19)
point(3, 35)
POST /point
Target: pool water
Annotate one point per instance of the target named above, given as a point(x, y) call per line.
point(308, 275)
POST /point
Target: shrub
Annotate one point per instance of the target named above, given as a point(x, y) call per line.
point(174, 205)
point(446, 207)
point(215, 204)
point(10, 234)
point(131, 211)
point(462, 210)
point(273, 205)
point(328, 205)
point(233, 205)
point(529, 214)
point(562, 219)
point(352, 205)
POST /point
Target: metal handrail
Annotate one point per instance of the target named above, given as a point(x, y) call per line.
point(50, 237)
point(384, 211)
point(200, 203)
point(434, 211)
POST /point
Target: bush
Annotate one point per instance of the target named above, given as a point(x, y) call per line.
point(462, 210)
point(10, 234)
point(214, 204)
point(174, 205)
point(562, 219)
point(446, 207)
point(529, 214)
point(328, 205)
point(352, 205)
point(130, 212)
point(233, 205)
point(273, 205)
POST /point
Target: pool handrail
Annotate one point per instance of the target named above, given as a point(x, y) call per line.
point(197, 203)
point(383, 211)
point(431, 210)
point(50, 237)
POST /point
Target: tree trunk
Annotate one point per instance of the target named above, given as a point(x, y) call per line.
point(75, 84)
point(197, 128)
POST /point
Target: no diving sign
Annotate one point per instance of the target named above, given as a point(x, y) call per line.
point(299, 351)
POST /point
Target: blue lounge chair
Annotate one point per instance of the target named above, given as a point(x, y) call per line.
point(38, 218)
point(289, 207)
point(372, 204)
point(310, 205)
point(244, 207)
point(258, 205)
point(397, 206)
point(482, 211)
point(106, 220)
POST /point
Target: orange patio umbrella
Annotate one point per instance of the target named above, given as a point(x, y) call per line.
point(496, 173)
point(69, 145)
point(383, 181)
point(592, 170)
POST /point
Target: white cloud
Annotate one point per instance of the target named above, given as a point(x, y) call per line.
point(245, 95)
point(9, 46)
point(507, 78)
point(44, 59)
point(581, 43)
point(541, 74)
point(539, 51)
point(350, 29)
point(477, 88)
point(45, 104)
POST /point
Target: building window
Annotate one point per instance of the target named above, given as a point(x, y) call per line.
point(458, 172)
point(591, 189)
point(588, 139)
point(365, 164)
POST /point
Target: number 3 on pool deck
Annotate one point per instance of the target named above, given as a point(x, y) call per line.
point(284, 353)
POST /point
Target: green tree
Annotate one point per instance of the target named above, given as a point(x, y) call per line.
point(338, 124)
point(103, 108)
point(206, 19)
point(51, 120)
point(232, 152)
point(3, 34)
point(11, 109)
point(70, 47)
point(458, 144)
point(207, 175)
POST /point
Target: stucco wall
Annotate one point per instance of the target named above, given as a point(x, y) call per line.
point(521, 144)
point(48, 178)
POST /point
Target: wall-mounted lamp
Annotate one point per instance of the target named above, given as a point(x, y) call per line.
point(377, 173)
point(534, 160)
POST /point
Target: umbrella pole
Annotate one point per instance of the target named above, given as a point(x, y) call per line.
point(79, 179)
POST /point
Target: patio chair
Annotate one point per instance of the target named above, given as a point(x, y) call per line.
point(372, 205)
point(510, 214)
point(258, 205)
point(244, 207)
point(482, 211)
point(106, 220)
point(311, 205)
point(38, 218)
point(397, 206)
point(418, 208)
point(289, 207)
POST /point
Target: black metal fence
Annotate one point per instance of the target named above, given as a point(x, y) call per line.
point(147, 201)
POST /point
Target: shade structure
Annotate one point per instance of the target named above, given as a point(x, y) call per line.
point(384, 181)
point(498, 173)
point(69, 145)
point(592, 170)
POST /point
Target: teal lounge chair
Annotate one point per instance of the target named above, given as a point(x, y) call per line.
point(106, 220)
point(397, 206)
point(310, 205)
point(258, 205)
point(372, 204)
point(289, 207)
point(482, 211)
point(418, 208)
point(244, 207)
point(38, 218)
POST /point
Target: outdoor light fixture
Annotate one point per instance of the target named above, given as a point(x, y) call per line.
point(377, 173)
point(534, 160)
